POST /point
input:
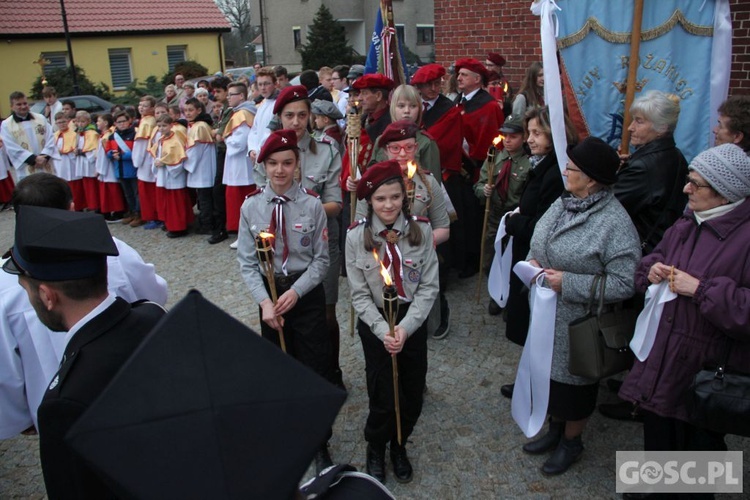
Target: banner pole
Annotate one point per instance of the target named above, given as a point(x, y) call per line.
point(635, 45)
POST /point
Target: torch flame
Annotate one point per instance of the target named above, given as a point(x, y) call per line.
point(497, 140)
point(411, 169)
point(505, 87)
point(383, 271)
point(266, 236)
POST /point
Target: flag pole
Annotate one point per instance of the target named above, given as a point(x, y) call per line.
point(393, 58)
point(635, 45)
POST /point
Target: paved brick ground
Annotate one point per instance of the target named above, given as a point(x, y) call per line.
point(466, 444)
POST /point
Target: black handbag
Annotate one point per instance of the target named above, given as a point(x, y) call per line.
point(719, 399)
point(599, 342)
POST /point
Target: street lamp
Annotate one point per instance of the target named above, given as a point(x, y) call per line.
point(76, 90)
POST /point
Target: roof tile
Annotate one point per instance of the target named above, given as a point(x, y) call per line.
point(24, 17)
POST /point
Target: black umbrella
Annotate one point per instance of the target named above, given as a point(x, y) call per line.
point(206, 408)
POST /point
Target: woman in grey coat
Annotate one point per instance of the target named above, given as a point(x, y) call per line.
point(585, 232)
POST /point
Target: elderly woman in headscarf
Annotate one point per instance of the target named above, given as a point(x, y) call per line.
point(704, 259)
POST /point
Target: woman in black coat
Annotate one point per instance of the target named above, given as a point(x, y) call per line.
point(649, 183)
point(544, 186)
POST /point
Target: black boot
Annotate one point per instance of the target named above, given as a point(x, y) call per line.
point(507, 390)
point(401, 466)
point(548, 442)
point(376, 461)
point(567, 453)
point(322, 459)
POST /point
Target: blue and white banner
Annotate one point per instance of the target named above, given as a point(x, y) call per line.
point(375, 62)
point(685, 50)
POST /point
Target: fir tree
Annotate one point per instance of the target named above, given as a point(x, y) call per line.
point(326, 42)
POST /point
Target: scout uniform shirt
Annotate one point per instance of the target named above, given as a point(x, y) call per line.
point(306, 237)
point(429, 201)
point(518, 175)
point(317, 171)
point(419, 270)
point(427, 155)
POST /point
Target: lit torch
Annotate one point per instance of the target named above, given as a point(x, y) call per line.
point(390, 311)
point(264, 250)
point(490, 174)
point(411, 169)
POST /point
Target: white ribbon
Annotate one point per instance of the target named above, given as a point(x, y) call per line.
point(498, 284)
point(552, 86)
point(531, 391)
point(721, 61)
point(648, 320)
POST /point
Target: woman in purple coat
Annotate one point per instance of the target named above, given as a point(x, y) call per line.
point(704, 256)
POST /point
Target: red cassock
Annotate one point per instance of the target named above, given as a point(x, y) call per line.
point(91, 192)
point(111, 198)
point(178, 209)
point(147, 199)
point(6, 189)
point(482, 117)
point(79, 194)
point(443, 123)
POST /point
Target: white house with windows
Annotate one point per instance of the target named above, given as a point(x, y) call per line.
point(285, 25)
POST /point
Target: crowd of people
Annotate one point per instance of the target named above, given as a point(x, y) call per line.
point(409, 169)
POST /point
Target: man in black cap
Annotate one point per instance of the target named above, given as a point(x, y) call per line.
point(60, 258)
point(510, 171)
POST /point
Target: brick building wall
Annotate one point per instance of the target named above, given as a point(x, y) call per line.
point(471, 28)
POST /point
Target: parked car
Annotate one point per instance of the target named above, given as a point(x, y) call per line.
point(90, 103)
point(237, 72)
point(232, 73)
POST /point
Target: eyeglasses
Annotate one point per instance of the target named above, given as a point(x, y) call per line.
point(122, 121)
point(234, 93)
point(396, 149)
point(694, 184)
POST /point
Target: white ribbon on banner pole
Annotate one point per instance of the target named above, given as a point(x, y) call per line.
point(552, 85)
point(498, 283)
point(721, 61)
point(649, 319)
point(531, 390)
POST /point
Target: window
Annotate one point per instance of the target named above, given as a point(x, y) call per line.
point(57, 60)
point(175, 55)
point(425, 35)
point(119, 68)
point(297, 33)
point(400, 33)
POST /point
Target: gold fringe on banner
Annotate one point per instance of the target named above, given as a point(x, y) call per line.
point(624, 37)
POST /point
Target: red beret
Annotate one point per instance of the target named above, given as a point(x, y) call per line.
point(428, 73)
point(472, 65)
point(374, 81)
point(496, 59)
point(375, 175)
point(281, 140)
point(398, 131)
point(287, 95)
